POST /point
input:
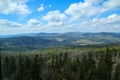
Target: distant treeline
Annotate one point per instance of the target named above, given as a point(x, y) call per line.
point(101, 64)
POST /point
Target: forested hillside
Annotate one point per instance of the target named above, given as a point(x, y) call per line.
point(66, 63)
point(43, 40)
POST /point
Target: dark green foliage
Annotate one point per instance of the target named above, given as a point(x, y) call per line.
point(96, 64)
point(20, 68)
point(36, 68)
point(0, 67)
point(27, 68)
point(91, 68)
point(117, 72)
point(6, 68)
point(12, 66)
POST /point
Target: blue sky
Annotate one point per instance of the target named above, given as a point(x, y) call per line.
point(55, 16)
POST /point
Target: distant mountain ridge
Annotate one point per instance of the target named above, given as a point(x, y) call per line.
point(42, 40)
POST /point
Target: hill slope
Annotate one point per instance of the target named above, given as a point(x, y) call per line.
point(42, 40)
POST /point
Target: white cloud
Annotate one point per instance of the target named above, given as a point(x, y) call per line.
point(82, 10)
point(6, 23)
point(55, 18)
point(111, 23)
point(113, 19)
point(95, 2)
point(56, 24)
point(111, 5)
point(33, 23)
point(9, 27)
point(88, 8)
point(14, 7)
point(10, 24)
point(57, 21)
point(41, 8)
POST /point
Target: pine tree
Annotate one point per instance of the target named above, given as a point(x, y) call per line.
point(6, 68)
point(36, 68)
point(91, 68)
point(117, 72)
point(83, 67)
point(20, 68)
point(76, 68)
point(104, 66)
point(100, 72)
point(0, 67)
point(12, 67)
point(109, 63)
point(27, 65)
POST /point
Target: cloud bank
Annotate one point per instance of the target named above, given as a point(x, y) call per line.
point(86, 16)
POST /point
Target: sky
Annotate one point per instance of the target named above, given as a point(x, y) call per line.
point(58, 16)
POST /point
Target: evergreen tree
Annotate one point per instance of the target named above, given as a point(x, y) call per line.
point(117, 72)
point(83, 67)
point(109, 63)
point(27, 66)
point(12, 67)
point(76, 68)
point(0, 67)
point(100, 72)
point(6, 68)
point(104, 66)
point(20, 68)
point(36, 68)
point(91, 68)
